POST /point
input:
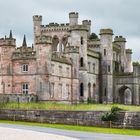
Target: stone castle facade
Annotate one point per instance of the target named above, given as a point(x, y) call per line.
point(66, 65)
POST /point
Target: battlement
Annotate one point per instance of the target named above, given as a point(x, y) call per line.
point(55, 27)
point(73, 14)
point(119, 39)
point(86, 22)
point(7, 42)
point(37, 18)
point(24, 53)
point(72, 49)
point(43, 39)
point(56, 56)
point(78, 27)
point(129, 51)
point(106, 31)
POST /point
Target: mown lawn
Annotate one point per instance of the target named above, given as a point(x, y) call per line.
point(62, 106)
point(79, 128)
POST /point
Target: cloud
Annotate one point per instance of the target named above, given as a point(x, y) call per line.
point(120, 15)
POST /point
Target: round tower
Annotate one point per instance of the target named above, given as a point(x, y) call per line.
point(73, 18)
point(88, 24)
point(106, 50)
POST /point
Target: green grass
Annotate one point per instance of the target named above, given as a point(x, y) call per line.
point(79, 128)
point(62, 106)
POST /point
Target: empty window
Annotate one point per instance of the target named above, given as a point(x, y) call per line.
point(60, 90)
point(81, 62)
point(82, 41)
point(52, 66)
point(24, 67)
point(89, 66)
point(67, 71)
point(25, 88)
point(93, 67)
point(104, 52)
point(108, 68)
point(60, 69)
point(81, 89)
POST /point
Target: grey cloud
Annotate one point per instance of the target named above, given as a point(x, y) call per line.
point(120, 15)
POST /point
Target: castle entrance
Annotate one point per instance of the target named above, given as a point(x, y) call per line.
point(125, 95)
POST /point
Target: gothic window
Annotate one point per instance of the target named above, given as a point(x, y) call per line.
point(52, 90)
point(108, 68)
point(89, 90)
point(67, 71)
point(89, 66)
point(82, 41)
point(81, 62)
point(25, 88)
point(24, 67)
point(104, 52)
point(60, 69)
point(52, 66)
point(67, 90)
point(93, 67)
point(60, 90)
point(81, 89)
point(55, 43)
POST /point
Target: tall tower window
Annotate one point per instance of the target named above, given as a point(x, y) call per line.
point(104, 52)
point(82, 41)
point(82, 89)
point(81, 62)
point(108, 68)
point(25, 88)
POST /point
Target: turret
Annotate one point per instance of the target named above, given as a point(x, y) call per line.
point(37, 21)
point(73, 18)
point(88, 24)
point(106, 50)
point(121, 41)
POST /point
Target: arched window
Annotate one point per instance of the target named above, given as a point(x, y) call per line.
point(81, 62)
point(82, 41)
point(81, 89)
point(89, 90)
point(104, 52)
point(55, 43)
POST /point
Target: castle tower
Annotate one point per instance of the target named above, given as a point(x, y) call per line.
point(78, 39)
point(37, 22)
point(73, 18)
point(106, 50)
point(87, 23)
point(121, 41)
point(43, 49)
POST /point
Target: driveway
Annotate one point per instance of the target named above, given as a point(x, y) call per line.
point(43, 133)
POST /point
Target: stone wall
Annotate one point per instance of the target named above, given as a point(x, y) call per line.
point(87, 118)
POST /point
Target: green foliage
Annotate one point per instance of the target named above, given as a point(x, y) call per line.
point(93, 36)
point(112, 115)
point(90, 101)
point(136, 63)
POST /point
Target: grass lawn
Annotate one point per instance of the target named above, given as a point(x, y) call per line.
point(62, 106)
point(79, 128)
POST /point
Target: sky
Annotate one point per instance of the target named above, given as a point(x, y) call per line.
point(123, 16)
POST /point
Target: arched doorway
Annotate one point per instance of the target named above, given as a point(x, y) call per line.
point(125, 95)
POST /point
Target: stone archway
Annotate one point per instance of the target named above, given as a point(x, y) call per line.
point(125, 95)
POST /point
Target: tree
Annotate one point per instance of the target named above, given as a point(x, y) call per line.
point(111, 116)
point(93, 36)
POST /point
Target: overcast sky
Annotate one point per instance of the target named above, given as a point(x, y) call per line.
point(123, 16)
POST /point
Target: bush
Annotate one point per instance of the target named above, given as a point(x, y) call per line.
point(90, 101)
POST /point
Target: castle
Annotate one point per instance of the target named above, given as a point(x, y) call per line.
point(65, 64)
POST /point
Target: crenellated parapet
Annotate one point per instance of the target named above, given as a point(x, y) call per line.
point(51, 27)
point(37, 18)
point(58, 57)
point(43, 39)
point(78, 27)
point(8, 42)
point(119, 39)
point(129, 51)
point(106, 31)
point(72, 49)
